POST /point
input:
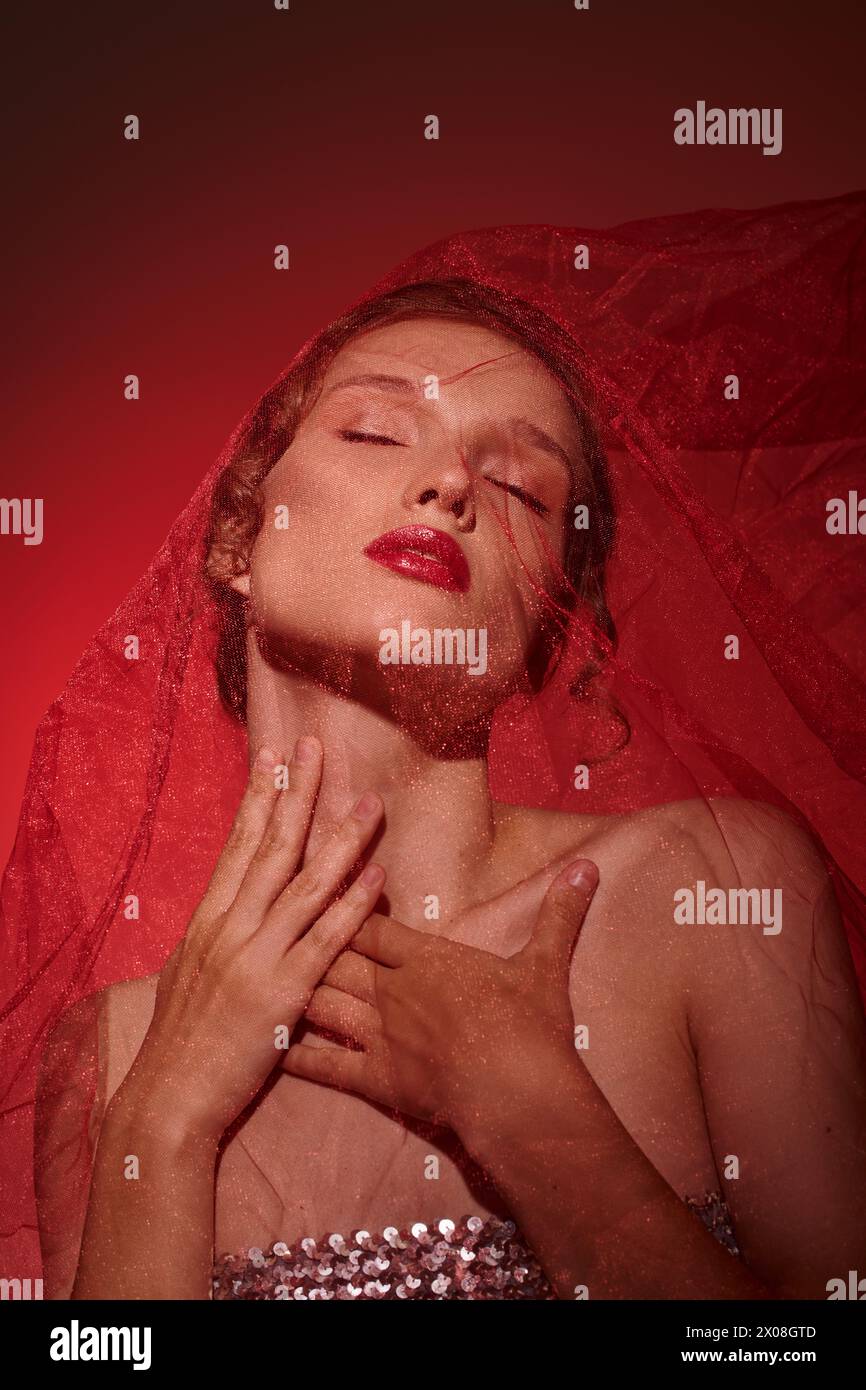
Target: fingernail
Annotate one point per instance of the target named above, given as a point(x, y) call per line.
point(305, 750)
point(266, 758)
point(582, 874)
point(366, 806)
point(372, 875)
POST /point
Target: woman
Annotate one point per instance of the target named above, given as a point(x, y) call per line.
point(593, 1094)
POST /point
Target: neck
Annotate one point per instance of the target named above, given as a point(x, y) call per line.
point(438, 832)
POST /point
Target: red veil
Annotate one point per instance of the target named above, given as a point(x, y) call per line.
point(723, 529)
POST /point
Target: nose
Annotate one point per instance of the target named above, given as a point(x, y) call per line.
point(446, 486)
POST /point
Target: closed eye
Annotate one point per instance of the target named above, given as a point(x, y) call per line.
point(525, 497)
point(360, 437)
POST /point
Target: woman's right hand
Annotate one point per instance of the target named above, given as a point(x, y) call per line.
point(255, 949)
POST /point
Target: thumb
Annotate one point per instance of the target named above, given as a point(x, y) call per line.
point(563, 909)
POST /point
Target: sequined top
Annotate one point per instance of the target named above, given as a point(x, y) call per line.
point(470, 1258)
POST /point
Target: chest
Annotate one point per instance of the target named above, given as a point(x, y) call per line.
point(311, 1159)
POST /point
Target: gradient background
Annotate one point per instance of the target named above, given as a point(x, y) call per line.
point(261, 127)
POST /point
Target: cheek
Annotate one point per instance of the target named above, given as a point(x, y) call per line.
point(523, 570)
point(511, 613)
point(331, 503)
point(301, 483)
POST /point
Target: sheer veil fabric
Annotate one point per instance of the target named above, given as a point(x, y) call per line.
point(725, 502)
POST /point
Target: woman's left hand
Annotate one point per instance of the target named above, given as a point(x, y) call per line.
point(449, 1032)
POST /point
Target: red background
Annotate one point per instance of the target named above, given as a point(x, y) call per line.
point(261, 127)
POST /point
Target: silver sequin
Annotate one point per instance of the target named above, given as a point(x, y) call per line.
point(471, 1258)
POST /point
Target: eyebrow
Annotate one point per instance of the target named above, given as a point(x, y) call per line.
point(401, 384)
point(520, 426)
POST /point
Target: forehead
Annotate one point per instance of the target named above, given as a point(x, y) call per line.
point(475, 363)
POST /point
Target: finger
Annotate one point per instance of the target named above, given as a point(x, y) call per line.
point(281, 845)
point(307, 895)
point(246, 832)
point(390, 942)
point(524, 896)
point(354, 974)
point(562, 912)
point(332, 1066)
point(344, 1015)
point(309, 958)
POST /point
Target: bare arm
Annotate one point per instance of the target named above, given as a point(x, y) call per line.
point(780, 1038)
point(599, 1216)
point(149, 1229)
point(157, 1179)
point(256, 946)
point(778, 1030)
point(69, 1107)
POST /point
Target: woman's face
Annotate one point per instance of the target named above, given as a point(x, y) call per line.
point(456, 439)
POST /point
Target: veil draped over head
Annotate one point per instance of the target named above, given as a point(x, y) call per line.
point(723, 352)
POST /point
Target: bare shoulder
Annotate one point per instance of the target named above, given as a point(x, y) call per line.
point(713, 826)
point(107, 1026)
point(129, 1006)
point(738, 895)
point(85, 1055)
point(732, 834)
point(128, 998)
point(651, 859)
point(727, 836)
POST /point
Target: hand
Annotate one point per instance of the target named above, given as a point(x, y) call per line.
point(449, 1032)
point(259, 941)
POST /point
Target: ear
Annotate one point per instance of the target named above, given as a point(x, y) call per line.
point(222, 568)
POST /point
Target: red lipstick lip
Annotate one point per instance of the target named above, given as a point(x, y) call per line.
point(421, 552)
